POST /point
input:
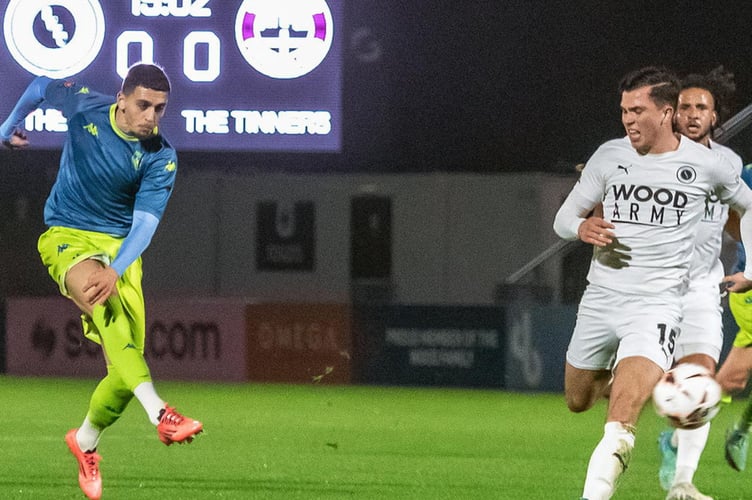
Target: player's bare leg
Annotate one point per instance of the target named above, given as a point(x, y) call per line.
point(735, 370)
point(733, 377)
point(634, 378)
point(583, 388)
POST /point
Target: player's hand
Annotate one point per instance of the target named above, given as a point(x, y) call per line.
point(16, 141)
point(596, 231)
point(736, 283)
point(100, 286)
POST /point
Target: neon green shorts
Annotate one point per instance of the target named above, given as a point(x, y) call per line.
point(62, 248)
point(741, 307)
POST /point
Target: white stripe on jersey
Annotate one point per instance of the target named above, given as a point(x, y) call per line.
point(656, 202)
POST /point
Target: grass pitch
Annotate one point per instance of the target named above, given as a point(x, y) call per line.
point(333, 442)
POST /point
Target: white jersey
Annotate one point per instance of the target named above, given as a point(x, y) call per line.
point(706, 262)
point(656, 202)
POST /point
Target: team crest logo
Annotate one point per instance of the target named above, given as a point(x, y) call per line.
point(284, 38)
point(54, 38)
point(686, 175)
point(136, 159)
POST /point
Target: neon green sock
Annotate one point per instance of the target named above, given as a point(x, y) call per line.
point(746, 420)
point(126, 358)
point(109, 400)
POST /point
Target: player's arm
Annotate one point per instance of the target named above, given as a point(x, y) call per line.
point(732, 225)
point(142, 231)
point(102, 284)
point(31, 99)
point(742, 203)
point(572, 222)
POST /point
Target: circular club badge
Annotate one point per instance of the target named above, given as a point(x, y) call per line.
point(284, 38)
point(54, 38)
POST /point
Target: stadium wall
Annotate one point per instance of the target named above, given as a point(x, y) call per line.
point(289, 239)
point(233, 340)
point(452, 237)
point(518, 346)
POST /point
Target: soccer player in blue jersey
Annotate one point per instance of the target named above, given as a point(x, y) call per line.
point(116, 175)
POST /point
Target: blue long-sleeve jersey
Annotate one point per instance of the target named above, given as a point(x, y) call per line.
point(105, 175)
point(741, 257)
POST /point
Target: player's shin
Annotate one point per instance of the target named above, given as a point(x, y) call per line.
point(609, 461)
point(109, 400)
point(690, 445)
point(745, 422)
point(126, 358)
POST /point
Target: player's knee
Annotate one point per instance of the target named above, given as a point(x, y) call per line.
point(577, 403)
point(732, 385)
point(583, 396)
point(732, 380)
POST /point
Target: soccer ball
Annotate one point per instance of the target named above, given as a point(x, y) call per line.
point(687, 395)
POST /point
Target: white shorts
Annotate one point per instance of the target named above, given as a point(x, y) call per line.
point(701, 327)
point(614, 325)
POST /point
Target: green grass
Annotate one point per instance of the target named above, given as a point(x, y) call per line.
point(333, 442)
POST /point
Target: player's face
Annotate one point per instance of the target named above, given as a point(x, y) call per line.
point(643, 120)
point(695, 114)
point(139, 112)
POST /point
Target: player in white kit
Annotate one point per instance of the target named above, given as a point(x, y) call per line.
point(700, 109)
point(653, 185)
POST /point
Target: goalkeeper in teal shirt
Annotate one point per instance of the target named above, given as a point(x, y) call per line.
point(116, 175)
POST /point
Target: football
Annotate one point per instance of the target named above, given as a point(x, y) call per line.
point(687, 396)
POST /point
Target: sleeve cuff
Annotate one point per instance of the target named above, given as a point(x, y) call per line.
point(576, 228)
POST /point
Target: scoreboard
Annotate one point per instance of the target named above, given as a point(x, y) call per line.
point(247, 75)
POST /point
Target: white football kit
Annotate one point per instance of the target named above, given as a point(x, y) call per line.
point(701, 327)
point(656, 202)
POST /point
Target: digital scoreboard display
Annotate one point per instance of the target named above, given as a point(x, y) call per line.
point(247, 75)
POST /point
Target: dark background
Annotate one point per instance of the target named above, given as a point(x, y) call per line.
point(500, 86)
point(517, 86)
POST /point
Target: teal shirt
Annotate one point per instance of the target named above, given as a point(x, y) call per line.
point(741, 256)
point(104, 174)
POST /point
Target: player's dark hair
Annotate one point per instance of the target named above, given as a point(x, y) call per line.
point(720, 84)
point(149, 76)
point(665, 84)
